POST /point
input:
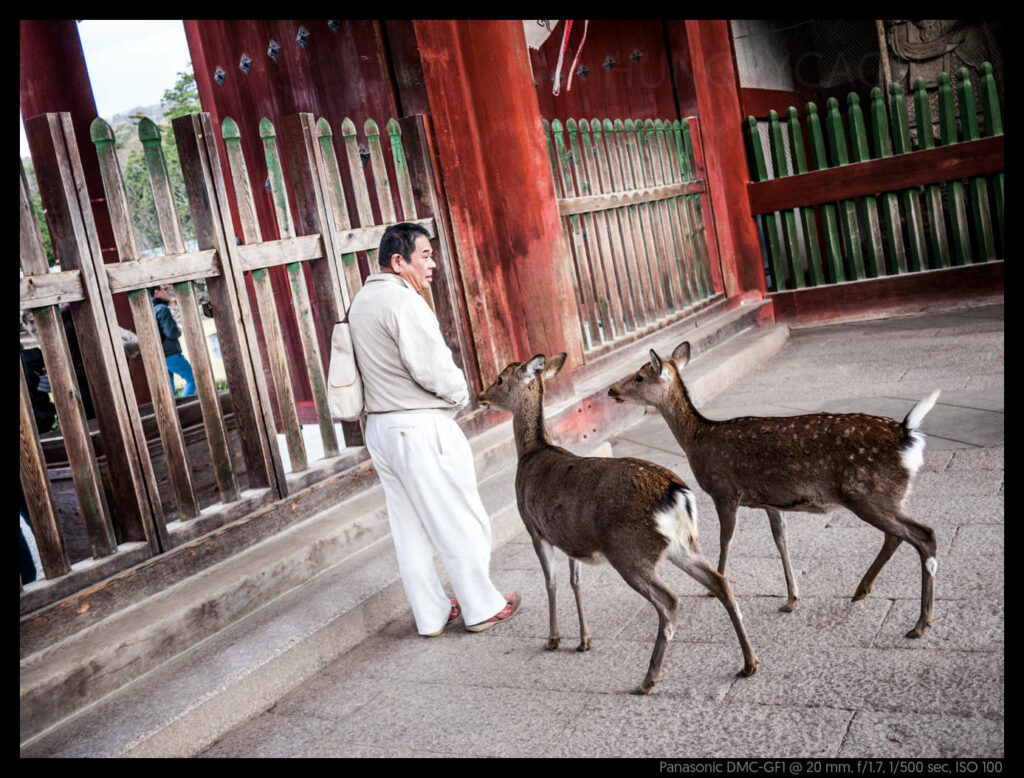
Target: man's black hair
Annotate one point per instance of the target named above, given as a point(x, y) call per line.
point(399, 239)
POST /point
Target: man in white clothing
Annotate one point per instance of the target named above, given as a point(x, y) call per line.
point(412, 390)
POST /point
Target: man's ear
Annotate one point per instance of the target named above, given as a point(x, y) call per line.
point(396, 263)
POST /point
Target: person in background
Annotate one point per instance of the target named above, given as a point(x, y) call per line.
point(169, 335)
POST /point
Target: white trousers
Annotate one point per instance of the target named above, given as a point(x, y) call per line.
point(426, 467)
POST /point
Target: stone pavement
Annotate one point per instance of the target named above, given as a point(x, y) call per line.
point(836, 678)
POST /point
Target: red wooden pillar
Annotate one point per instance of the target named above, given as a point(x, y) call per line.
point(54, 78)
point(718, 96)
point(515, 269)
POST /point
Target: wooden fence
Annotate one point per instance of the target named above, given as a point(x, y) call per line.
point(144, 479)
point(633, 219)
point(919, 195)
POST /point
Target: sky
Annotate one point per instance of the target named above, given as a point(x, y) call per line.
point(130, 62)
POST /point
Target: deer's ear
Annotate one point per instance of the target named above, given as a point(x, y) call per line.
point(656, 362)
point(681, 354)
point(554, 365)
point(534, 366)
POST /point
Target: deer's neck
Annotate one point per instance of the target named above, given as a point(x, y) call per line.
point(528, 427)
point(683, 418)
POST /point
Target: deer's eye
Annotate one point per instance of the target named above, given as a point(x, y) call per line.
point(498, 382)
point(639, 378)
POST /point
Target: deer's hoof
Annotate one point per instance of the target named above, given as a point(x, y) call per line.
point(552, 644)
point(643, 688)
point(584, 644)
point(748, 670)
point(916, 632)
point(790, 606)
point(861, 593)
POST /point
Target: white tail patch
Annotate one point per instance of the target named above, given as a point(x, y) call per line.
point(918, 412)
point(913, 455)
point(679, 523)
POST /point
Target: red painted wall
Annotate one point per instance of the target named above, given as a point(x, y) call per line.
point(497, 182)
point(628, 89)
point(717, 89)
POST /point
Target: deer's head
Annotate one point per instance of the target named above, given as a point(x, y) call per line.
point(655, 381)
point(521, 382)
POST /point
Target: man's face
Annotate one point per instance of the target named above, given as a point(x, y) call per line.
point(418, 270)
point(160, 293)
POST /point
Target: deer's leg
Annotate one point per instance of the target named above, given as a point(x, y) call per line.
point(645, 580)
point(698, 568)
point(923, 539)
point(574, 580)
point(726, 508)
point(667, 605)
point(889, 546)
point(778, 521)
point(546, 555)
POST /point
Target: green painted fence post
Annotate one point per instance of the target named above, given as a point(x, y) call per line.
point(686, 212)
point(859, 152)
point(669, 176)
point(408, 199)
point(596, 262)
point(977, 186)
point(890, 205)
point(962, 253)
point(833, 252)
point(993, 126)
point(768, 224)
point(781, 166)
point(584, 292)
point(810, 224)
point(933, 192)
point(911, 202)
point(697, 208)
point(847, 208)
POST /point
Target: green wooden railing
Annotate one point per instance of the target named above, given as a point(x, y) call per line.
point(630, 202)
point(911, 195)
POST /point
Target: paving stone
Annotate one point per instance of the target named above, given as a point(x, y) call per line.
point(877, 679)
point(657, 726)
point(922, 736)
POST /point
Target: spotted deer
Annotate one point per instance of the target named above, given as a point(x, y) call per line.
point(631, 512)
point(807, 463)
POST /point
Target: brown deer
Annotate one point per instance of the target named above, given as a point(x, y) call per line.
point(807, 463)
point(631, 512)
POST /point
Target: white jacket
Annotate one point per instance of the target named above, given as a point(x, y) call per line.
point(403, 359)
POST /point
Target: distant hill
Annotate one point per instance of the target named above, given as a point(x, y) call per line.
point(154, 112)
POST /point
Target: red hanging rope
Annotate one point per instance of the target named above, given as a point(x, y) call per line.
point(561, 56)
point(568, 85)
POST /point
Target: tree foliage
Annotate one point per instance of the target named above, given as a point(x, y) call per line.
point(179, 100)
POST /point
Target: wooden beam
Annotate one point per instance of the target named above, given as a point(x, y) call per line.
point(168, 269)
point(51, 289)
point(257, 256)
point(890, 295)
point(903, 171)
point(600, 202)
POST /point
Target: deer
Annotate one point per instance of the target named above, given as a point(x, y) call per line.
point(809, 463)
point(629, 512)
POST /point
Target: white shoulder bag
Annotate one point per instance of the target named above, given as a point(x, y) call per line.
point(344, 384)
